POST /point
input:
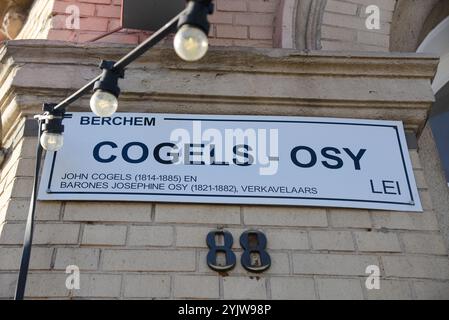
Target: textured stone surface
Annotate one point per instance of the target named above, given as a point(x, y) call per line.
point(199, 287)
point(244, 288)
point(146, 286)
point(289, 288)
point(339, 289)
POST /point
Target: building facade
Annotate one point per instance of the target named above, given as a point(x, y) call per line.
point(312, 58)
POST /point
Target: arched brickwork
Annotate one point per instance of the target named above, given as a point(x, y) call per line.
point(332, 25)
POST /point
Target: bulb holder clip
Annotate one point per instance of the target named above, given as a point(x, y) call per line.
point(52, 119)
point(196, 14)
point(109, 78)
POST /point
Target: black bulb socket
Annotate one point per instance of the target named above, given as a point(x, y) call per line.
point(53, 124)
point(109, 78)
point(196, 13)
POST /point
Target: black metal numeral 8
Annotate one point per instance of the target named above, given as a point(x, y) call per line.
point(225, 249)
point(254, 257)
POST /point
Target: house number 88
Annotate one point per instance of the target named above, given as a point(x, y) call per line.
point(254, 258)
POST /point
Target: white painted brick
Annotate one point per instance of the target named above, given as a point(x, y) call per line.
point(373, 38)
point(48, 210)
point(285, 239)
point(341, 7)
point(25, 167)
point(151, 236)
point(53, 285)
point(292, 288)
point(345, 21)
point(424, 243)
point(350, 218)
point(17, 209)
point(110, 212)
point(9, 169)
point(377, 242)
point(197, 287)
point(148, 260)
point(195, 237)
point(47, 285)
point(285, 216)
point(104, 235)
point(27, 147)
point(6, 194)
point(339, 289)
point(12, 233)
point(244, 288)
point(193, 213)
point(416, 267)
point(22, 187)
point(146, 286)
point(336, 33)
point(405, 220)
point(431, 290)
point(56, 233)
point(99, 286)
point(332, 240)
point(40, 258)
point(390, 290)
point(383, 4)
point(332, 264)
point(7, 285)
point(83, 258)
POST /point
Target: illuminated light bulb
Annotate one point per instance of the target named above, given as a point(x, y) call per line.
point(103, 103)
point(52, 141)
point(191, 43)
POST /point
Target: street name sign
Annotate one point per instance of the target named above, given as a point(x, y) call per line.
point(263, 160)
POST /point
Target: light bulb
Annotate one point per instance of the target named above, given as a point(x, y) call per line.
point(52, 141)
point(103, 104)
point(191, 43)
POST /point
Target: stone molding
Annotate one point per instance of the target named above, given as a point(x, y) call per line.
point(408, 20)
point(228, 81)
point(299, 24)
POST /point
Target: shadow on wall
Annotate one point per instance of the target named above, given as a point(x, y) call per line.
point(13, 14)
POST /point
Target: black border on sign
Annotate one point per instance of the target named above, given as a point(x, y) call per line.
point(411, 203)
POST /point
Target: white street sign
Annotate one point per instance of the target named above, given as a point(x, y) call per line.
point(232, 159)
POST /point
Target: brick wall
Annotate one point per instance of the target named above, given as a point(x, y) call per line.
point(153, 250)
point(249, 23)
point(235, 22)
point(133, 250)
point(344, 27)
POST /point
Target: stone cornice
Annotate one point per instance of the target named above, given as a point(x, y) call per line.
point(245, 59)
point(229, 81)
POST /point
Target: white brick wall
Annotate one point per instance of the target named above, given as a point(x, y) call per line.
point(339, 289)
point(148, 251)
point(146, 286)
